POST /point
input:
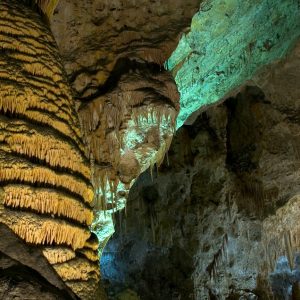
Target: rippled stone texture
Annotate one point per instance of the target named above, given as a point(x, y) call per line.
point(46, 191)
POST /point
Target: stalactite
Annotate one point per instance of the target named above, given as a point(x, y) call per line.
point(46, 201)
point(58, 254)
point(285, 245)
point(39, 69)
point(17, 169)
point(288, 248)
point(89, 254)
point(92, 242)
point(78, 269)
point(25, 139)
point(45, 231)
point(281, 234)
point(47, 6)
point(218, 258)
point(136, 119)
point(152, 228)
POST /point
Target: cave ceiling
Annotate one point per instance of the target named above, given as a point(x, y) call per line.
point(228, 43)
point(133, 64)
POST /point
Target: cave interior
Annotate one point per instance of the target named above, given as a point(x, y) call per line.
point(150, 150)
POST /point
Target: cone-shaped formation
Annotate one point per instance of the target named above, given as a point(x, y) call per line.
point(45, 177)
point(89, 254)
point(127, 130)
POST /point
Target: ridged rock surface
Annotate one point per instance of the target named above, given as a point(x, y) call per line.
point(46, 191)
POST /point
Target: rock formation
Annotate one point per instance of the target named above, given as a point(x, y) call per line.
point(86, 113)
point(46, 191)
point(113, 59)
point(219, 221)
point(228, 42)
point(127, 101)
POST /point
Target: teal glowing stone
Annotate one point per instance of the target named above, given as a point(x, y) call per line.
point(229, 41)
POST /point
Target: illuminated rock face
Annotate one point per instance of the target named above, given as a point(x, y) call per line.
point(102, 42)
point(127, 130)
point(46, 191)
point(228, 43)
point(217, 220)
point(113, 52)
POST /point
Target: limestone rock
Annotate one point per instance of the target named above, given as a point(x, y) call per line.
point(113, 52)
point(46, 191)
point(218, 218)
point(228, 43)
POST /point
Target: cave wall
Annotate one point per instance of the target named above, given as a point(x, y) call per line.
point(228, 42)
point(26, 272)
point(119, 57)
point(219, 218)
point(232, 175)
point(17, 280)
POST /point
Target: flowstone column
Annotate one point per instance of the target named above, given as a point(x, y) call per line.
point(46, 192)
